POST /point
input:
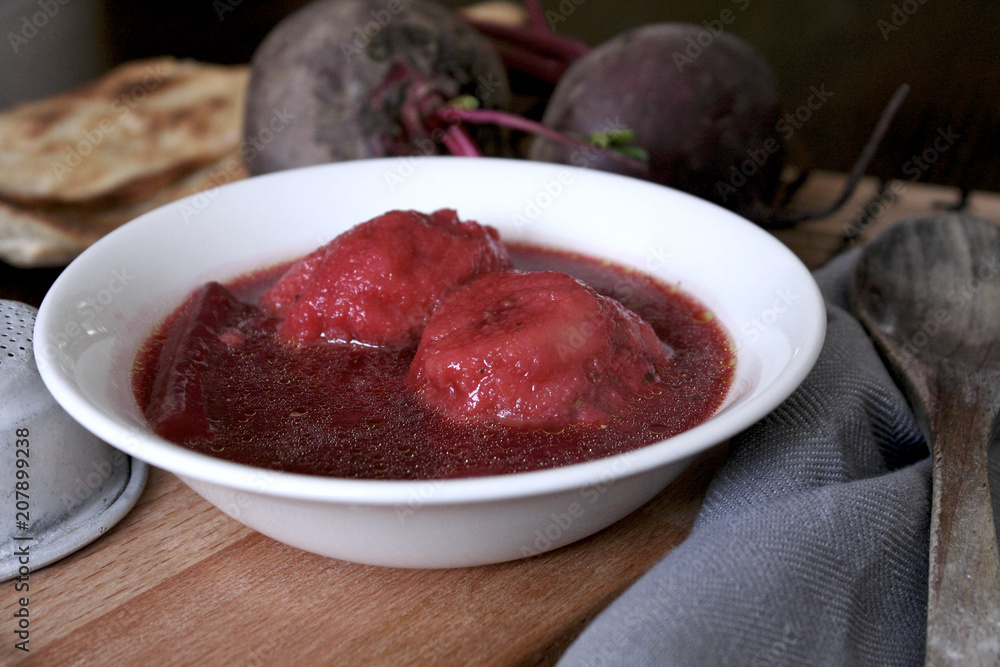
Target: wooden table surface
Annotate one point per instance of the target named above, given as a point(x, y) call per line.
point(179, 582)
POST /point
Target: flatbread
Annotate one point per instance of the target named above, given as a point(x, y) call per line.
point(75, 166)
point(121, 138)
point(36, 236)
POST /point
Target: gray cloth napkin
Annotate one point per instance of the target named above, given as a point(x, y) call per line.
point(811, 545)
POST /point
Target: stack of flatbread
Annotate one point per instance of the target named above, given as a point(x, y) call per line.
point(76, 166)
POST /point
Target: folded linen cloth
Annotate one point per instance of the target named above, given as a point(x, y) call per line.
point(811, 546)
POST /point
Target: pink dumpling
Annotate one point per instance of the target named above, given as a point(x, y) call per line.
point(378, 282)
point(535, 349)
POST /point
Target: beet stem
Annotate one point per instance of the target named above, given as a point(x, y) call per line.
point(515, 122)
point(538, 66)
point(537, 40)
point(458, 142)
point(858, 170)
point(863, 220)
point(536, 14)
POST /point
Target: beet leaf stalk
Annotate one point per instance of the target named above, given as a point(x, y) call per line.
point(536, 14)
point(533, 49)
point(458, 142)
point(782, 219)
point(614, 145)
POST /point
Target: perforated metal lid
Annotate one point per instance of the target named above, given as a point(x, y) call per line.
point(17, 321)
point(63, 486)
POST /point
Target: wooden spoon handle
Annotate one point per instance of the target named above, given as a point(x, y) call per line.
point(963, 607)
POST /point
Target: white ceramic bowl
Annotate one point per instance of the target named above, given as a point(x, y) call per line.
point(104, 304)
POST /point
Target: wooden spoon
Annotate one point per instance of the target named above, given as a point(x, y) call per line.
point(928, 291)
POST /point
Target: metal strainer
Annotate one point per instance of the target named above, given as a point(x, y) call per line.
point(62, 486)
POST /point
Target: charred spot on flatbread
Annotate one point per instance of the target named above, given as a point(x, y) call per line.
point(122, 137)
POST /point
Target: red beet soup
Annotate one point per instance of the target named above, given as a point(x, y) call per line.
point(219, 377)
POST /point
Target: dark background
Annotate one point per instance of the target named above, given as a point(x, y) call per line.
point(947, 52)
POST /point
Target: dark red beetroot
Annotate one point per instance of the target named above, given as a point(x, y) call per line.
point(378, 282)
point(535, 349)
point(210, 320)
point(698, 114)
point(349, 79)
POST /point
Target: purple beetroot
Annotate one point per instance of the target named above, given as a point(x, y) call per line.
point(705, 114)
point(350, 79)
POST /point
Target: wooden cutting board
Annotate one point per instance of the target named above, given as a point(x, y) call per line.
point(178, 582)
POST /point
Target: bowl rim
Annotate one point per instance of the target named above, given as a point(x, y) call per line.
point(191, 465)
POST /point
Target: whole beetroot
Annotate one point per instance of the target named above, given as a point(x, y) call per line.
point(350, 79)
point(704, 112)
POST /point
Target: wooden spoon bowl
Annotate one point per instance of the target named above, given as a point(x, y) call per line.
point(928, 291)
